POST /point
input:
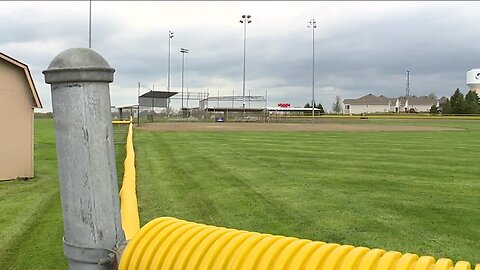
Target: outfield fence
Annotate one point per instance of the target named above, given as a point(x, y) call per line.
point(128, 194)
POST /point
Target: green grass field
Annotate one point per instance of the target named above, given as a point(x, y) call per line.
point(407, 191)
point(31, 226)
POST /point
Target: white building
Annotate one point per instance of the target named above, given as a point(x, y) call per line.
point(418, 104)
point(368, 104)
point(381, 104)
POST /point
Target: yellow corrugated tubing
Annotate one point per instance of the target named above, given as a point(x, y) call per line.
point(128, 195)
point(169, 243)
point(119, 122)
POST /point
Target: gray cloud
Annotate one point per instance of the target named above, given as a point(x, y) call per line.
point(360, 48)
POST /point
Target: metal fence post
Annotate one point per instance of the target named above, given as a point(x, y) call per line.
point(79, 81)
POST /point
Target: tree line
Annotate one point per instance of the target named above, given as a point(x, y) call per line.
point(459, 104)
point(336, 106)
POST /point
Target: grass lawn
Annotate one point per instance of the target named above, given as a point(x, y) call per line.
point(411, 191)
point(31, 225)
point(407, 191)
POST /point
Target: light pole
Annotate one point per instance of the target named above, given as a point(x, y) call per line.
point(245, 20)
point(183, 51)
point(90, 25)
point(170, 36)
point(313, 24)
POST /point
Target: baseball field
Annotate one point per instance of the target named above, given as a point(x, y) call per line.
point(405, 185)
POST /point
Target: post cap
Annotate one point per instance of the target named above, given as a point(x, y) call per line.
point(78, 65)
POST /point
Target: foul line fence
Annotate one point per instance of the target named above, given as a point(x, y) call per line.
point(128, 194)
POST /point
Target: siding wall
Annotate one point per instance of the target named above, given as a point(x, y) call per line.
point(16, 123)
point(420, 108)
point(358, 109)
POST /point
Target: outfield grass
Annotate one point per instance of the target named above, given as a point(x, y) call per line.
point(407, 191)
point(412, 192)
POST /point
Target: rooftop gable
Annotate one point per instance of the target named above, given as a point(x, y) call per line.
point(368, 100)
point(28, 76)
point(421, 101)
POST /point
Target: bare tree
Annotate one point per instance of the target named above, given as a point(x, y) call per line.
point(337, 105)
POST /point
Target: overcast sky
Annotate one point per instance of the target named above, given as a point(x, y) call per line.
point(360, 47)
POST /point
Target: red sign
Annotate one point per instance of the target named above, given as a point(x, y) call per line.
point(283, 105)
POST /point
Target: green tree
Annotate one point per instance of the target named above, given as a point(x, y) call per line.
point(307, 105)
point(434, 109)
point(457, 101)
point(471, 103)
point(320, 108)
point(447, 107)
point(337, 106)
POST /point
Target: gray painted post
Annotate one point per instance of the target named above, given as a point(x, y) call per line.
point(79, 81)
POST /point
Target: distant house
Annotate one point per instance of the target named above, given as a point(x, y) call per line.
point(381, 104)
point(18, 98)
point(367, 104)
point(418, 104)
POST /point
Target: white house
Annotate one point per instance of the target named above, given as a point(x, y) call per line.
point(381, 104)
point(367, 104)
point(418, 104)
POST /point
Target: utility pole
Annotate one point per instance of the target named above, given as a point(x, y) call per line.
point(138, 107)
point(313, 24)
point(90, 26)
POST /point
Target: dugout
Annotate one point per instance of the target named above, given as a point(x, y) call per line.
point(148, 101)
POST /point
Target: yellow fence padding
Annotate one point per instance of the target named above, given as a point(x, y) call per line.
point(169, 243)
point(120, 122)
point(128, 195)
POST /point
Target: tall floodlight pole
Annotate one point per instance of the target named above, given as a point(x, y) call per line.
point(245, 20)
point(90, 26)
point(313, 24)
point(138, 105)
point(183, 51)
point(407, 87)
point(170, 36)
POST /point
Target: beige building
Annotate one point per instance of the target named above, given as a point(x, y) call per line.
point(418, 104)
point(368, 104)
point(381, 104)
point(18, 98)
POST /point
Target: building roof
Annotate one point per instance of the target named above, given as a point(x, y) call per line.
point(126, 106)
point(368, 100)
point(28, 75)
point(382, 100)
point(158, 94)
point(418, 101)
point(421, 101)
